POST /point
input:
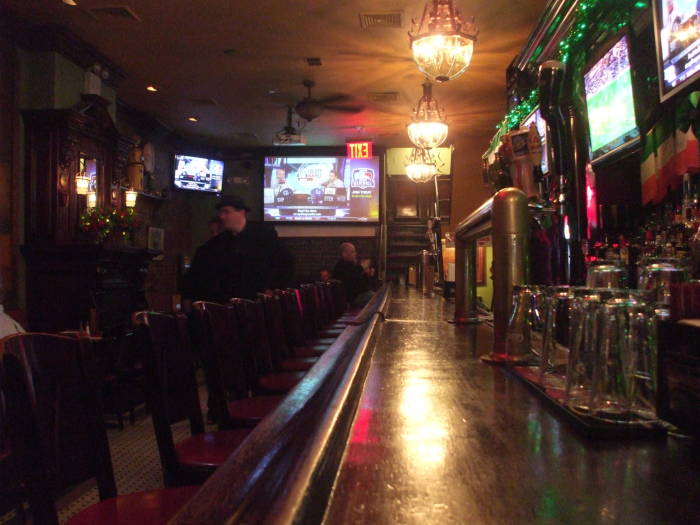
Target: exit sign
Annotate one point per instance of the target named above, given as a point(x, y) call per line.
point(359, 150)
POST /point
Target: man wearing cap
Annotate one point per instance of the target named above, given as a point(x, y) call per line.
point(243, 260)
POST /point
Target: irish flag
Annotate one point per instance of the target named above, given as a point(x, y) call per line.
point(669, 151)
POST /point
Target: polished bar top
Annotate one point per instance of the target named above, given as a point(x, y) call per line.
point(441, 437)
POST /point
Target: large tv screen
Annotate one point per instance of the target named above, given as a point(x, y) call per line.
point(198, 174)
point(677, 25)
point(321, 189)
point(541, 125)
point(610, 101)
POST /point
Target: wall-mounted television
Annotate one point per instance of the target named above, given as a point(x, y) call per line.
point(321, 189)
point(541, 124)
point(198, 174)
point(677, 28)
point(612, 122)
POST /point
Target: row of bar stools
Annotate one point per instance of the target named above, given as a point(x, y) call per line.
point(57, 434)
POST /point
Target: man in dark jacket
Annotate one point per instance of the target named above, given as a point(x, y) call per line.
point(352, 276)
point(243, 260)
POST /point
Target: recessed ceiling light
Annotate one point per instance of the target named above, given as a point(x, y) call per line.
point(193, 118)
point(152, 88)
point(70, 2)
point(271, 91)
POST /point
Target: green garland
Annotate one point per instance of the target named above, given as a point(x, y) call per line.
point(103, 224)
point(616, 13)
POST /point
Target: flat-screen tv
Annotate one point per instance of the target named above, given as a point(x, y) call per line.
point(321, 189)
point(677, 28)
point(198, 174)
point(541, 125)
point(612, 123)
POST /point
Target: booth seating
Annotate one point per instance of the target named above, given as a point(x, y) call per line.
point(172, 396)
point(56, 430)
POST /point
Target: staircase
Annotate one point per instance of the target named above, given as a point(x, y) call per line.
point(404, 241)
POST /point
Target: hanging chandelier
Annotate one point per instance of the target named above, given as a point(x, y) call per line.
point(427, 128)
point(421, 167)
point(441, 43)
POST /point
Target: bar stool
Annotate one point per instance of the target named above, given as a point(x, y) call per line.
point(57, 431)
point(293, 326)
point(173, 397)
point(251, 316)
point(229, 369)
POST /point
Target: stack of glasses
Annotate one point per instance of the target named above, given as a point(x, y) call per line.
point(595, 347)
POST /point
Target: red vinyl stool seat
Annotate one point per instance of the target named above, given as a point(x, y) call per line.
point(310, 351)
point(154, 507)
point(330, 332)
point(249, 411)
point(298, 364)
point(209, 449)
point(323, 341)
point(281, 381)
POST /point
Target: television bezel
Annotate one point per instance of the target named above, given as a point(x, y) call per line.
point(548, 149)
point(663, 95)
point(622, 149)
point(369, 222)
point(204, 192)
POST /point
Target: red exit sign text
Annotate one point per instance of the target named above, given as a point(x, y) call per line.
point(359, 150)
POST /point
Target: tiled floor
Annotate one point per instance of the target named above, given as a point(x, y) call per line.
point(135, 460)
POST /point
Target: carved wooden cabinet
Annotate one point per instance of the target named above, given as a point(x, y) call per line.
point(55, 143)
point(67, 274)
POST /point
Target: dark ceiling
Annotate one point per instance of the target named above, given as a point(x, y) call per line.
point(239, 95)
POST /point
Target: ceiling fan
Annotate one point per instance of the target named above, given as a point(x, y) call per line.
point(289, 135)
point(310, 108)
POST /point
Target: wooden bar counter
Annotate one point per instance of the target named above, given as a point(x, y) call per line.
point(402, 423)
point(440, 437)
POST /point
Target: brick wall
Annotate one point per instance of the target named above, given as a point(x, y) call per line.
point(313, 253)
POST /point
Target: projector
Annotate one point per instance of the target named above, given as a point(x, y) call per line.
point(289, 139)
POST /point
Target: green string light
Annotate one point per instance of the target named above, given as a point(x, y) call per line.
point(617, 15)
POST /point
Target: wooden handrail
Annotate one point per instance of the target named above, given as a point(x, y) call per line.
point(284, 471)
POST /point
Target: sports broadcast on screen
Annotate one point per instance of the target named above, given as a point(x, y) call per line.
point(321, 189)
point(610, 101)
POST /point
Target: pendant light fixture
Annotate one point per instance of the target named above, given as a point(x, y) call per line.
point(130, 198)
point(82, 183)
point(427, 128)
point(421, 167)
point(442, 44)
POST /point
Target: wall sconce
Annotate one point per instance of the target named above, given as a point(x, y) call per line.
point(82, 183)
point(130, 198)
point(92, 199)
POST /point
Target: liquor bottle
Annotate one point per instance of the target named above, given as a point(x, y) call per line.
point(695, 254)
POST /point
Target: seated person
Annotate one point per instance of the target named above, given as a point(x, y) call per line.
point(370, 272)
point(8, 326)
point(353, 277)
point(215, 227)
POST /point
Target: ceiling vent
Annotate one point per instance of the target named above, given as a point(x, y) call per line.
point(384, 97)
point(313, 61)
point(371, 20)
point(116, 11)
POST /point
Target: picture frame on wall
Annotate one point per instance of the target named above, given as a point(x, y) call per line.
point(156, 241)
